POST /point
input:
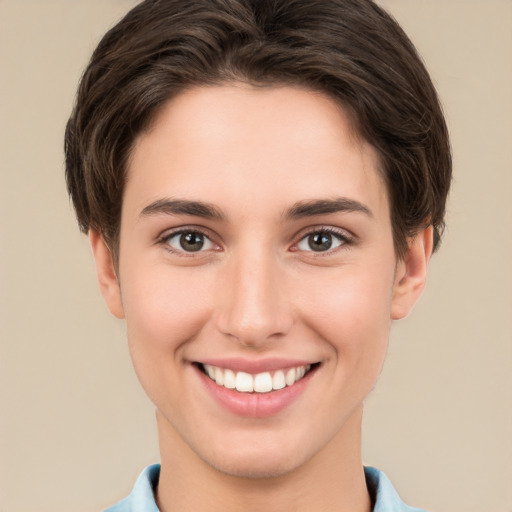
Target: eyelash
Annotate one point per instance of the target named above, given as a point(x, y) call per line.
point(343, 237)
point(164, 240)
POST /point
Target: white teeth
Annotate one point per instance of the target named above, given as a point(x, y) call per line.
point(229, 379)
point(260, 383)
point(290, 376)
point(263, 383)
point(210, 370)
point(244, 382)
point(278, 380)
point(219, 376)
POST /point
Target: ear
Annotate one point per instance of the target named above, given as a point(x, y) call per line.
point(107, 277)
point(411, 273)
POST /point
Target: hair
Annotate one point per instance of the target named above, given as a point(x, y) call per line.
point(350, 50)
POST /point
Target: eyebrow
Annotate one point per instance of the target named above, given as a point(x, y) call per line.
point(325, 207)
point(182, 207)
point(301, 209)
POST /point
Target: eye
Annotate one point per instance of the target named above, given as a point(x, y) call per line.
point(321, 241)
point(188, 241)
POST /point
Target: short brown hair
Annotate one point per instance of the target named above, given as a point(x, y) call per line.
point(351, 50)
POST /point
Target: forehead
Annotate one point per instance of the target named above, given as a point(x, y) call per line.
point(236, 141)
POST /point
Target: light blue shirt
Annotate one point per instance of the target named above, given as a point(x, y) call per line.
point(142, 499)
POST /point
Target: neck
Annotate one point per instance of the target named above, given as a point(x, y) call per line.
point(331, 481)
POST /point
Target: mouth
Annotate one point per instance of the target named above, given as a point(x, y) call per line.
point(257, 388)
point(259, 383)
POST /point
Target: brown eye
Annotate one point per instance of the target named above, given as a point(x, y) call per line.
point(321, 241)
point(189, 241)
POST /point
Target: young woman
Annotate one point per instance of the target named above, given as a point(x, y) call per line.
point(263, 183)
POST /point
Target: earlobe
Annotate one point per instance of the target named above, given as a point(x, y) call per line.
point(411, 273)
point(107, 277)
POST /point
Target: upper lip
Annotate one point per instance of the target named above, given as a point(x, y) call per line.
point(255, 366)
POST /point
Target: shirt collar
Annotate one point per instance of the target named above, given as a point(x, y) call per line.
point(383, 494)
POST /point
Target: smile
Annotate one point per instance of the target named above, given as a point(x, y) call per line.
point(263, 382)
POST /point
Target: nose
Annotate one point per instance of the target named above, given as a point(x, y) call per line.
point(254, 308)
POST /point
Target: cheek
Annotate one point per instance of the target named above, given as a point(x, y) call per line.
point(350, 309)
point(164, 309)
point(356, 298)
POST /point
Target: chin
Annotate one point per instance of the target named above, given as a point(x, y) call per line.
point(256, 471)
point(257, 462)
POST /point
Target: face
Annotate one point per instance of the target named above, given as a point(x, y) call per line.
point(257, 275)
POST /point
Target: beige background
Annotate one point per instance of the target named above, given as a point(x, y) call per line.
point(75, 428)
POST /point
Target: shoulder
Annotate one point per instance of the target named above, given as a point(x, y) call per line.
point(383, 494)
point(142, 496)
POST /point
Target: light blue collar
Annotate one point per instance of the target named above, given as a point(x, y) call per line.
point(384, 494)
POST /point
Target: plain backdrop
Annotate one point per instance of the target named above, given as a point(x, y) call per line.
point(75, 427)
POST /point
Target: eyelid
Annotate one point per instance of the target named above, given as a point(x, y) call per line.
point(166, 235)
point(345, 236)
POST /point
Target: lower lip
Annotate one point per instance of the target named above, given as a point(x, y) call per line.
point(255, 405)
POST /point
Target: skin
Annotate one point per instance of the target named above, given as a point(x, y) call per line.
point(257, 290)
